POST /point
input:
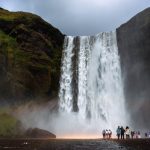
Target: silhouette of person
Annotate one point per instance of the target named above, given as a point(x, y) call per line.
point(109, 133)
point(122, 132)
point(132, 134)
point(104, 134)
point(118, 132)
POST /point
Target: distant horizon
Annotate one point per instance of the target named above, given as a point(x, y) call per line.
point(80, 17)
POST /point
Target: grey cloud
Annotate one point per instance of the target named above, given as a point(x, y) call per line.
point(80, 17)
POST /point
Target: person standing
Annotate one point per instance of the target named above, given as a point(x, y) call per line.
point(146, 135)
point(104, 134)
point(118, 132)
point(122, 132)
point(107, 134)
point(127, 132)
point(132, 134)
point(139, 135)
point(110, 133)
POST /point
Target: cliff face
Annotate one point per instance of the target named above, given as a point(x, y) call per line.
point(30, 56)
point(134, 49)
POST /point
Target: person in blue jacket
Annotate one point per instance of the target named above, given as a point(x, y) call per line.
point(118, 131)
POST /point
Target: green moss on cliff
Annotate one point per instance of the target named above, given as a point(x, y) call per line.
point(8, 46)
point(30, 56)
point(9, 125)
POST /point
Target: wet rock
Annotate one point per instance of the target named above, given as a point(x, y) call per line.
point(38, 133)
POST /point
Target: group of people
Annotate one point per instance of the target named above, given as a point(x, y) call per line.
point(147, 134)
point(107, 134)
point(135, 134)
point(121, 132)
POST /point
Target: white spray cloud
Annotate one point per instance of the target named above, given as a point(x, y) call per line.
point(63, 125)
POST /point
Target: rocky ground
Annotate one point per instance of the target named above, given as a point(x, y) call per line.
point(55, 144)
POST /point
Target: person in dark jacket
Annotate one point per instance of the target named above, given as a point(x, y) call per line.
point(104, 134)
point(132, 134)
point(122, 132)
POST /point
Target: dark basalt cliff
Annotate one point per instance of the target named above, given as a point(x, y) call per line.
point(30, 57)
point(134, 49)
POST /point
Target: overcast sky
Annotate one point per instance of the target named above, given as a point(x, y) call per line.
point(80, 17)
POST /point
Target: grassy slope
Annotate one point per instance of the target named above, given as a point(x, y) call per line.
point(9, 125)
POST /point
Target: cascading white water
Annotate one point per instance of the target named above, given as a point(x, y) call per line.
point(65, 93)
point(84, 53)
point(100, 98)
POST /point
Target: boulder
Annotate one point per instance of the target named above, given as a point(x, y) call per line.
point(38, 133)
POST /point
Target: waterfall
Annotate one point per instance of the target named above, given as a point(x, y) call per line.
point(91, 80)
point(66, 76)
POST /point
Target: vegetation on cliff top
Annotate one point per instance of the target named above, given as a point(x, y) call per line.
point(6, 15)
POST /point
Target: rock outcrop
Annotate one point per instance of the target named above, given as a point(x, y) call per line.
point(30, 57)
point(134, 49)
point(38, 133)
